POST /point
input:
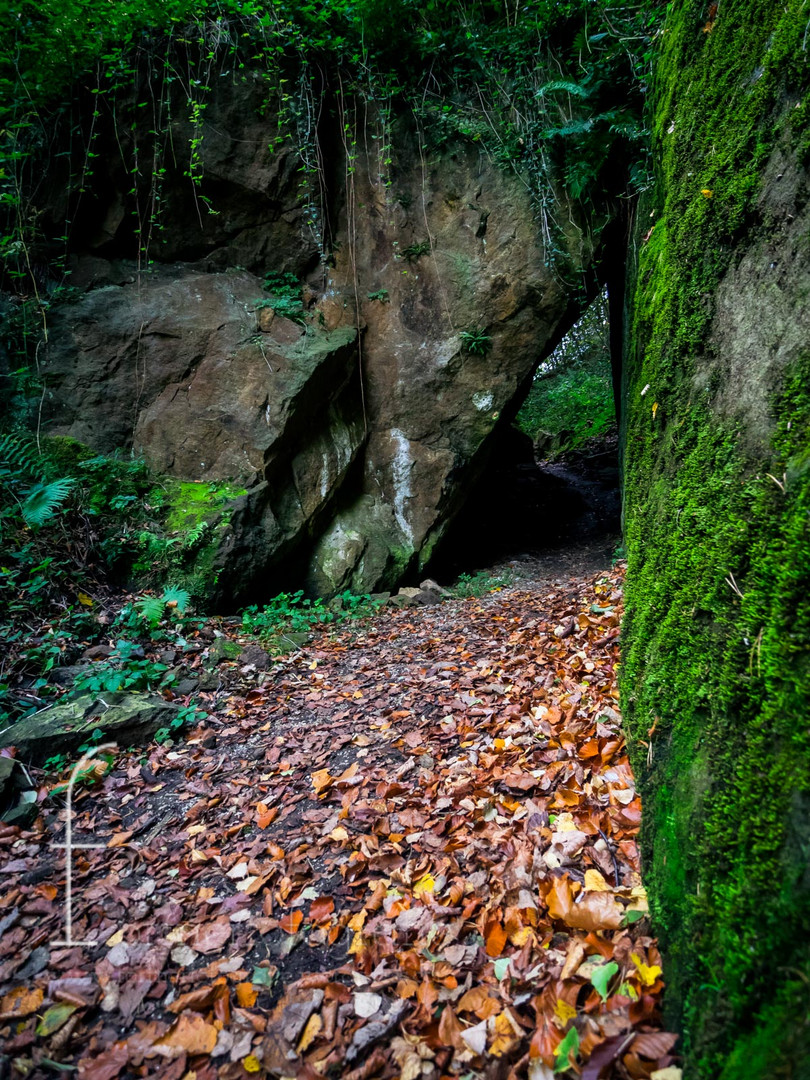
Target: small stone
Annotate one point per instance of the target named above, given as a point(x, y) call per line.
point(429, 585)
point(265, 317)
point(426, 598)
point(98, 652)
point(255, 656)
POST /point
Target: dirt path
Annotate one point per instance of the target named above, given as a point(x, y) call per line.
point(409, 853)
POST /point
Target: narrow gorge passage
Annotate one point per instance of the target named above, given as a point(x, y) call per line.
point(272, 901)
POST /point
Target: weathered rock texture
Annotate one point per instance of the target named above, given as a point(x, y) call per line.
point(357, 436)
point(716, 642)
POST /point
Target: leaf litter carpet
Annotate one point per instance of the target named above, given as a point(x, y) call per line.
point(410, 853)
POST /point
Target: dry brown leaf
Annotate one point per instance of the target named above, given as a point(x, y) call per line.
point(190, 1033)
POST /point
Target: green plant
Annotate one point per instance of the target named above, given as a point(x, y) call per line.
point(126, 669)
point(479, 584)
point(151, 609)
point(294, 614)
point(380, 294)
point(571, 397)
point(475, 341)
point(187, 715)
point(24, 486)
point(415, 251)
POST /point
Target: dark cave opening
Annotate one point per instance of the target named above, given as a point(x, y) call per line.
point(552, 481)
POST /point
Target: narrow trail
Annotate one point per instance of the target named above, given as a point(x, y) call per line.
point(409, 851)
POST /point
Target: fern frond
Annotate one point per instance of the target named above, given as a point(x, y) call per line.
point(150, 609)
point(575, 127)
point(21, 455)
point(177, 598)
point(44, 500)
point(577, 89)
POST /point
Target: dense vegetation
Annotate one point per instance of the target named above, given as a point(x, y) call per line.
point(571, 398)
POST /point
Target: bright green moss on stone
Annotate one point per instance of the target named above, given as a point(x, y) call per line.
point(716, 642)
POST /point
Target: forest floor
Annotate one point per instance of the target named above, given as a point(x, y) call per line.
point(409, 850)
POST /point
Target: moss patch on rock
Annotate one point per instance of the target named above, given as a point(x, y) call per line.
point(716, 660)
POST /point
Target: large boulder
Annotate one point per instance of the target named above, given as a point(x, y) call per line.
point(121, 717)
point(422, 329)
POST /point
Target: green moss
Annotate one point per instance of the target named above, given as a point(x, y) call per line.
point(190, 503)
point(717, 636)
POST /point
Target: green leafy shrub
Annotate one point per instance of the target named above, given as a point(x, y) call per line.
point(479, 584)
point(294, 614)
point(476, 342)
point(415, 251)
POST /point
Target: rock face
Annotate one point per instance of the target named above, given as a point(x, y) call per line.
point(357, 435)
point(715, 672)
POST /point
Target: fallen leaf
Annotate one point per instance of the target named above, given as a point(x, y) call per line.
point(313, 1028)
point(367, 1004)
point(495, 939)
point(211, 936)
point(190, 1033)
point(647, 973)
point(21, 1002)
point(54, 1018)
point(246, 994)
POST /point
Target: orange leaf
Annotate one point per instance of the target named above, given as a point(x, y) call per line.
point(495, 939)
point(321, 908)
point(291, 922)
point(595, 911)
point(321, 780)
point(246, 994)
point(450, 1029)
point(559, 899)
point(265, 815)
point(544, 1042)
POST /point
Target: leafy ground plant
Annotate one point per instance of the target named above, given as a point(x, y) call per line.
point(286, 621)
point(480, 583)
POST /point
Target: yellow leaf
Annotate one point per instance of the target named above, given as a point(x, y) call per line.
point(594, 882)
point(647, 973)
point(563, 1012)
point(251, 1064)
point(116, 938)
point(521, 936)
point(500, 744)
point(357, 922)
point(321, 780)
point(707, 193)
point(311, 1032)
point(425, 884)
point(86, 600)
point(358, 944)
point(655, 408)
point(339, 834)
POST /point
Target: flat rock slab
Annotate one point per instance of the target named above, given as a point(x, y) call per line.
point(124, 718)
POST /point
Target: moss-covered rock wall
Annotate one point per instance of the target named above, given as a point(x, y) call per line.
point(716, 660)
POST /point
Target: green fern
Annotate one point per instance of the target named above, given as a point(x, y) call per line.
point(19, 456)
point(178, 598)
point(577, 89)
point(150, 609)
point(43, 501)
